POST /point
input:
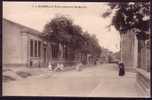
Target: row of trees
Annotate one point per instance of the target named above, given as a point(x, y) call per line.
point(62, 29)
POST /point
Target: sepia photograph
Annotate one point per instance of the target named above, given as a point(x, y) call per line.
point(76, 49)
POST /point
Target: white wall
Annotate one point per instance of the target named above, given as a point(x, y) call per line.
point(11, 41)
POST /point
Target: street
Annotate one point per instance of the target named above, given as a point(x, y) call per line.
point(95, 81)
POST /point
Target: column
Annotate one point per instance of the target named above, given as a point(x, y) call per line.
point(61, 50)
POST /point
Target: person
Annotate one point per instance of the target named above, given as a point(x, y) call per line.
point(50, 66)
point(121, 69)
point(78, 66)
point(60, 67)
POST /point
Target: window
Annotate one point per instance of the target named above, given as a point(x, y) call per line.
point(31, 48)
point(39, 48)
point(35, 48)
point(54, 51)
point(45, 54)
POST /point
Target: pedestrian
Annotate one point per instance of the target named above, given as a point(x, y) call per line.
point(78, 66)
point(50, 66)
point(121, 69)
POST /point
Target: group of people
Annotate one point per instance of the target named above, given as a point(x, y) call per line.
point(60, 67)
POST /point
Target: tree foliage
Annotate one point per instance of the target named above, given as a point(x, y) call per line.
point(92, 46)
point(62, 29)
point(59, 28)
point(130, 15)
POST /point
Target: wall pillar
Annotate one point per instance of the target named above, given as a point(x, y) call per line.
point(128, 49)
point(135, 52)
point(61, 52)
point(24, 48)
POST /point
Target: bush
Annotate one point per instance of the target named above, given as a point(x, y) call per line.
point(23, 74)
point(5, 70)
point(8, 78)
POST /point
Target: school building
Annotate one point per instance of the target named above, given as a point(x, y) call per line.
point(23, 46)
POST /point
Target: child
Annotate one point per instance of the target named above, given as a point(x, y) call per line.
point(78, 66)
point(60, 67)
point(50, 67)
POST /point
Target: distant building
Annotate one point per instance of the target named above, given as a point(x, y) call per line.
point(23, 46)
point(104, 56)
point(135, 54)
point(116, 56)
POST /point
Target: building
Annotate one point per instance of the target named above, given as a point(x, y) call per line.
point(105, 56)
point(23, 46)
point(135, 54)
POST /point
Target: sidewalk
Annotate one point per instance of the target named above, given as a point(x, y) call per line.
point(116, 87)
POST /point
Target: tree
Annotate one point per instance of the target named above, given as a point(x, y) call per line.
point(62, 29)
point(91, 46)
point(58, 28)
point(130, 15)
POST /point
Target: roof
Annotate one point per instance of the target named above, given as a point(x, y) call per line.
point(25, 28)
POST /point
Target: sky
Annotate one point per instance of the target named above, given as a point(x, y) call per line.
point(88, 15)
